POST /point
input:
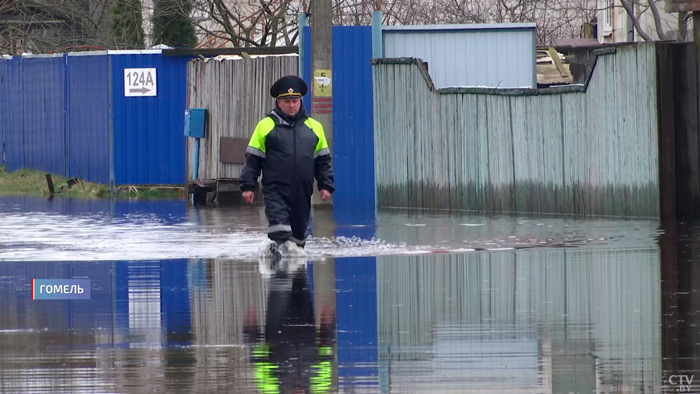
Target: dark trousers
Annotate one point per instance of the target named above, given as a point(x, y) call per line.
point(287, 210)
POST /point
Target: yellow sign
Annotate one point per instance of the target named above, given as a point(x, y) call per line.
point(323, 83)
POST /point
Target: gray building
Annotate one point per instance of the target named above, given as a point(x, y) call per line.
point(484, 55)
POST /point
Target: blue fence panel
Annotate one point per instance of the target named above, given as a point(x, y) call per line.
point(87, 155)
point(4, 104)
point(353, 112)
point(14, 135)
point(43, 85)
point(149, 147)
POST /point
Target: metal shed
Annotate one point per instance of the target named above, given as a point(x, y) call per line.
point(485, 55)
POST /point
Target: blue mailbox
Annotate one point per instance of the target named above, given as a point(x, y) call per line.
point(194, 122)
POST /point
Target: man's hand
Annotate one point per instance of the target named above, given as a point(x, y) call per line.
point(248, 196)
point(325, 195)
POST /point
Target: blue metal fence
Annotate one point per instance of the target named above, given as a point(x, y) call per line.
point(4, 104)
point(149, 147)
point(67, 115)
point(15, 141)
point(13, 152)
point(42, 82)
point(87, 155)
point(353, 115)
point(56, 117)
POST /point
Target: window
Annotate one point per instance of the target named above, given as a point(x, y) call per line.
point(606, 7)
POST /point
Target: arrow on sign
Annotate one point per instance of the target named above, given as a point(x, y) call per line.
point(140, 90)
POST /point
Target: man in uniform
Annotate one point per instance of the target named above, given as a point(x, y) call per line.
point(290, 149)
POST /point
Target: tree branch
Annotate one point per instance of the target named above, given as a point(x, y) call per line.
point(657, 20)
point(630, 11)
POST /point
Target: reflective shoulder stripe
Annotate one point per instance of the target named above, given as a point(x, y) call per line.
point(324, 151)
point(264, 127)
point(255, 151)
point(317, 128)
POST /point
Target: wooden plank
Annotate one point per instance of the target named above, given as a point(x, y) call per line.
point(49, 182)
point(667, 131)
point(557, 62)
point(205, 183)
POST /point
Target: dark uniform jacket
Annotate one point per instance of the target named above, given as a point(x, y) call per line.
point(290, 152)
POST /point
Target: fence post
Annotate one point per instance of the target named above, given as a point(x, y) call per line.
point(66, 116)
point(303, 22)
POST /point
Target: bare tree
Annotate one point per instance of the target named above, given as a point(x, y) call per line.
point(41, 26)
point(44, 25)
point(247, 23)
point(637, 10)
point(243, 23)
point(553, 18)
point(394, 12)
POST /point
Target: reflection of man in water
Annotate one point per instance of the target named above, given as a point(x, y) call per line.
point(292, 356)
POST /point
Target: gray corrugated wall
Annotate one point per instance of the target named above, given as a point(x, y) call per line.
point(472, 60)
point(236, 94)
point(587, 151)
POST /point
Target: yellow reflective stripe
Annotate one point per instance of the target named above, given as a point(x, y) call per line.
point(321, 383)
point(264, 370)
point(267, 383)
point(325, 351)
point(318, 130)
point(263, 128)
point(261, 351)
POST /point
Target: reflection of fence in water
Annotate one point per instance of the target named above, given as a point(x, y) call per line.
point(557, 312)
point(219, 310)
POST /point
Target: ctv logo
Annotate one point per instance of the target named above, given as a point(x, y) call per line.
point(683, 383)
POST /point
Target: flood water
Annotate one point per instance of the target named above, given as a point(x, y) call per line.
point(404, 302)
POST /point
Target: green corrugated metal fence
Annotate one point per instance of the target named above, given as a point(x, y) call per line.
point(590, 150)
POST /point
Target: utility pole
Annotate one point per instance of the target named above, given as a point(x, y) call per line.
point(322, 111)
point(322, 71)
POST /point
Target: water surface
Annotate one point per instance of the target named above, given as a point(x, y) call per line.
point(180, 303)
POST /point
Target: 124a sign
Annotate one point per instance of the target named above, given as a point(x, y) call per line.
point(140, 82)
